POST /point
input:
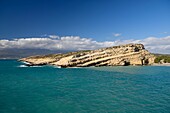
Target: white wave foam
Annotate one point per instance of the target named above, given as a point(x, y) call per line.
point(22, 66)
point(35, 66)
point(57, 66)
point(28, 66)
point(25, 62)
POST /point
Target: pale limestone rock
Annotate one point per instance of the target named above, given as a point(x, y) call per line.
point(130, 54)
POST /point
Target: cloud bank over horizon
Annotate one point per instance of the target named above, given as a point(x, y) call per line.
point(54, 42)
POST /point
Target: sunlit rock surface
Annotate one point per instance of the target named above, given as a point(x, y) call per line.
point(123, 55)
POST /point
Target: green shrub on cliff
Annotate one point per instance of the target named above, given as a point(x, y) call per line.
point(165, 58)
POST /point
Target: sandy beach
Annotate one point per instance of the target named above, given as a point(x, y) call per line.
point(164, 64)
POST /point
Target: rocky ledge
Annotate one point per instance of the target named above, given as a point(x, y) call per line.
point(123, 55)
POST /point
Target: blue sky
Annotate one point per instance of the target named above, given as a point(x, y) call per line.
point(97, 19)
point(100, 20)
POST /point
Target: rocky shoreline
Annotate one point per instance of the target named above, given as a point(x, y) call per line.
point(123, 55)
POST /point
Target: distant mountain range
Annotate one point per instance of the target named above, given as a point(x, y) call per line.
point(20, 53)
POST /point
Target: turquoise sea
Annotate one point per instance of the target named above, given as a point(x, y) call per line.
point(140, 89)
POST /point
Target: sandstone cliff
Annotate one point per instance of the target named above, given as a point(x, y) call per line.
point(129, 54)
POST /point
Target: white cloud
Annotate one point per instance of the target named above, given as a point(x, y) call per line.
point(153, 44)
point(116, 34)
point(53, 36)
point(164, 33)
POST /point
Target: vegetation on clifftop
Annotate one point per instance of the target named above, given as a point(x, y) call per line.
point(160, 58)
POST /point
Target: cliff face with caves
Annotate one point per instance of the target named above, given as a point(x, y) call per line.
point(123, 55)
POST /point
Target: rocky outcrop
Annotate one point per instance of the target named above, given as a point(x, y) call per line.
point(129, 54)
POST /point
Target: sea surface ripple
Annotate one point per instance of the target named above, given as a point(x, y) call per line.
point(140, 89)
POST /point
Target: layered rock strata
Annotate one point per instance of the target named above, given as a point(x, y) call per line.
point(129, 54)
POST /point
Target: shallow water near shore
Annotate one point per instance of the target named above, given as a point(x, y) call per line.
point(47, 89)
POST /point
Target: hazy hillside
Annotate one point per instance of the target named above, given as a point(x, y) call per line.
point(20, 53)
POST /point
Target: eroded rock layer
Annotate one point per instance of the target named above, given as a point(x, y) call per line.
point(129, 54)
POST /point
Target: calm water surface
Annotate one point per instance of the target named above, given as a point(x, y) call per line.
point(142, 89)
